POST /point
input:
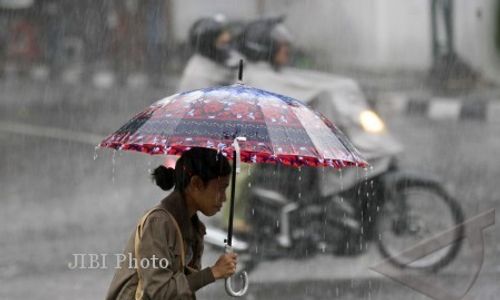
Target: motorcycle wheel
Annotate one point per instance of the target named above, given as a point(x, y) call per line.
point(415, 211)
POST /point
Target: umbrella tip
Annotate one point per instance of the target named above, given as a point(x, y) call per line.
point(240, 71)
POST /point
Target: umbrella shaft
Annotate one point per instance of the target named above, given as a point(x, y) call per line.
point(231, 203)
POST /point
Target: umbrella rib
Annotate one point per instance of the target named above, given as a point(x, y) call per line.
point(267, 128)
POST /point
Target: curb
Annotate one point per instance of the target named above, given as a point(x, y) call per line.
point(100, 79)
point(439, 108)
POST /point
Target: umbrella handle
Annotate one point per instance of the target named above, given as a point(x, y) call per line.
point(229, 287)
point(237, 151)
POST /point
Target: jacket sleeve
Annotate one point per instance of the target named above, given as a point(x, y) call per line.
point(165, 283)
point(199, 279)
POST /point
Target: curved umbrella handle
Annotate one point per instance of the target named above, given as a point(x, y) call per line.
point(242, 292)
point(229, 287)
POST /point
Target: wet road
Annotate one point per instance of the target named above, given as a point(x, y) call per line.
point(56, 200)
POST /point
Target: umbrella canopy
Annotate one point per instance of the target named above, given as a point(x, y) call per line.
point(277, 128)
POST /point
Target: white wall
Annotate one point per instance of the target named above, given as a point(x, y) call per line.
point(474, 36)
point(388, 34)
point(340, 31)
point(404, 34)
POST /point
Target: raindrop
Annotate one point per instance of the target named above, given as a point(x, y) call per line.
point(113, 161)
point(341, 180)
point(95, 152)
point(323, 175)
point(249, 184)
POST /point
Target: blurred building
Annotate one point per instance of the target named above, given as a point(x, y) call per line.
point(133, 35)
point(123, 35)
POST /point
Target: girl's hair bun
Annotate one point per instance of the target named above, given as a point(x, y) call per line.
point(164, 177)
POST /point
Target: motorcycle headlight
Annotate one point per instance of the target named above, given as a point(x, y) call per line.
point(371, 122)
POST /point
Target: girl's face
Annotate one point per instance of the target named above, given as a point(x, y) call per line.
point(211, 196)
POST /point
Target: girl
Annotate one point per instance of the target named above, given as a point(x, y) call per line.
point(172, 232)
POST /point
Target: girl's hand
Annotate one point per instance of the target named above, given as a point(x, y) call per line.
point(225, 266)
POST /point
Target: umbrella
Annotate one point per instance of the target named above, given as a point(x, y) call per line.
point(245, 124)
point(277, 128)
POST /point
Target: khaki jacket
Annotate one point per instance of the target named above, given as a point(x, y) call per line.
point(160, 238)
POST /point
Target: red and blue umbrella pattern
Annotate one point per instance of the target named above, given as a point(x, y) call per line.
point(277, 128)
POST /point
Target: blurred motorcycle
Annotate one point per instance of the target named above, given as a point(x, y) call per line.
point(300, 212)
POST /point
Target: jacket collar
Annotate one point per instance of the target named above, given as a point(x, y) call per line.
point(176, 205)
